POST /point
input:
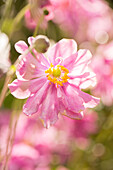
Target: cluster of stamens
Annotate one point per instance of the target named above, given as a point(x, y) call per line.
point(57, 75)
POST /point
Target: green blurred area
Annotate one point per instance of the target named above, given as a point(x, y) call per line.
point(110, 3)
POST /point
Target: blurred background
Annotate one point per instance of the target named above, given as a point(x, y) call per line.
point(85, 144)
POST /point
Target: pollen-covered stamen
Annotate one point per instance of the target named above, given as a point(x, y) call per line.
point(57, 75)
point(56, 72)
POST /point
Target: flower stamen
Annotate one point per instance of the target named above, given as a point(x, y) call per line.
point(57, 75)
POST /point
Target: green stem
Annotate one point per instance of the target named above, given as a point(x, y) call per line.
point(17, 105)
point(19, 16)
point(11, 141)
point(6, 11)
point(38, 25)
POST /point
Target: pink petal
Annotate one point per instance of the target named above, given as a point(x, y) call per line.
point(19, 89)
point(64, 48)
point(30, 40)
point(49, 109)
point(81, 63)
point(69, 62)
point(29, 68)
point(73, 115)
point(21, 47)
point(84, 56)
point(88, 81)
point(70, 99)
point(89, 101)
point(84, 75)
point(36, 84)
point(84, 80)
point(33, 102)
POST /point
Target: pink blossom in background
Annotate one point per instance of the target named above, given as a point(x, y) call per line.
point(33, 16)
point(38, 148)
point(79, 131)
point(30, 23)
point(102, 65)
point(34, 146)
point(53, 84)
point(78, 17)
point(83, 128)
point(103, 32)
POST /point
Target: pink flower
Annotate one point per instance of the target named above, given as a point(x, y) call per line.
point(86, 126)
point(29, 21)
point(34, 15)
point(77, 15)
point(103, 67)
point(80, 130)
point(34, 146)
point(54, 84)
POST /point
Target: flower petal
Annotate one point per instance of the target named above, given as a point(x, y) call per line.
point(33, 102)
point(19, 89)
point(21, 47)
point(63, 49)
point(36, 84)
point(81, 63)
point(49, 109)
point(70, 99)
point(84, 80)
point(30, 40)
point(89, 101)
point(72, 115)
point(29, 68)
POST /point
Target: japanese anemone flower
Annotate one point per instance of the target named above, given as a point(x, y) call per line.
point(53, 84)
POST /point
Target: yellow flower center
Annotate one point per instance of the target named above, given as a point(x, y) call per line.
point(57, 75)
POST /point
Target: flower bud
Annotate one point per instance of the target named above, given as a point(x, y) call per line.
point(41, 43)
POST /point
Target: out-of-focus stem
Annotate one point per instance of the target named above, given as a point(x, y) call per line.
point(11, 141)
point(18, 17)
point(4, 90)
point(38, 25)
point(8, 139)
point(17, 105)
point(6, 10)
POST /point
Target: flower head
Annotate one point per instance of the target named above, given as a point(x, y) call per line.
point(53, 84)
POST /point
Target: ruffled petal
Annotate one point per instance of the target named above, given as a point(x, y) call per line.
point(33, 102)
point(49, 109)
point(29, 68)
point(63, 49)
point(84, 80)
point(70, 99)
point(36, 84)
point(81, 63)
point(21, 47)
point(88, 81)
point(89, 101)
point(19, 89)
point(69, 62)
point(72, 115)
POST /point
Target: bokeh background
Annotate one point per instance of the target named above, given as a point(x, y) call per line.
point(85, 144)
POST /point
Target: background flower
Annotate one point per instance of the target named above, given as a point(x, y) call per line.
point(4, 53)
